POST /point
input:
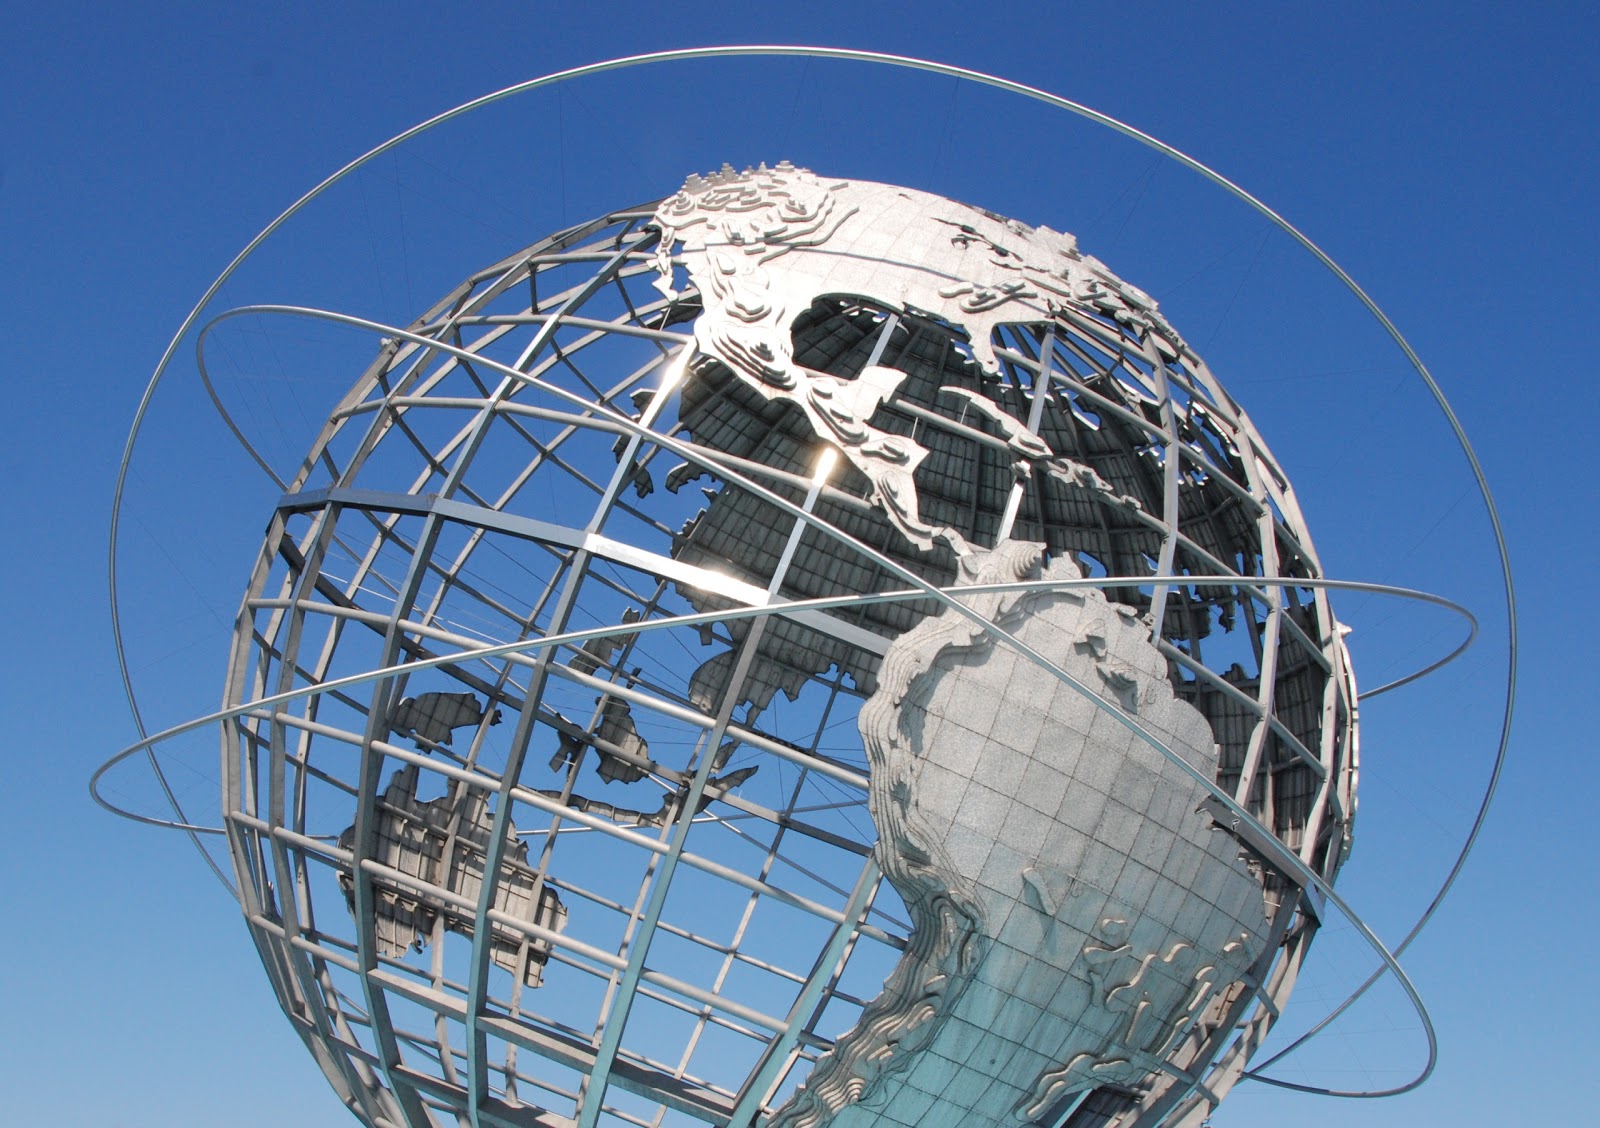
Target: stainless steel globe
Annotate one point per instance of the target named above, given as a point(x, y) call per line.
point(839, 629)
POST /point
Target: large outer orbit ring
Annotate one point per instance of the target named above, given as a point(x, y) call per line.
point(927, 66)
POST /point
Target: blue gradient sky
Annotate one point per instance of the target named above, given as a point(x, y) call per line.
point(1444, 154)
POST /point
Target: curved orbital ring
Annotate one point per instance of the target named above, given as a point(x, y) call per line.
point(147, 742)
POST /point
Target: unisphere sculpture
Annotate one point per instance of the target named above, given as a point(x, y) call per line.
point(890, 592)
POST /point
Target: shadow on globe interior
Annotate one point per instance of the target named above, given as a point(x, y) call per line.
point(777, 830)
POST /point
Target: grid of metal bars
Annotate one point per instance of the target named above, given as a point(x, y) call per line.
point(719, 927)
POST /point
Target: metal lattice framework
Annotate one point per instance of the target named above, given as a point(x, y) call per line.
point(401, 612)
point(456, 498)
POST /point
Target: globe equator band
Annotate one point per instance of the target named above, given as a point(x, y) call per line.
point(779, 608)
point(155, 740)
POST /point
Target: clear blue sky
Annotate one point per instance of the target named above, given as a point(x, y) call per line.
point(1445, 154)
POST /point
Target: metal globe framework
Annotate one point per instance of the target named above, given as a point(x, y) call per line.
point(426, 521)
point(542, 779)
